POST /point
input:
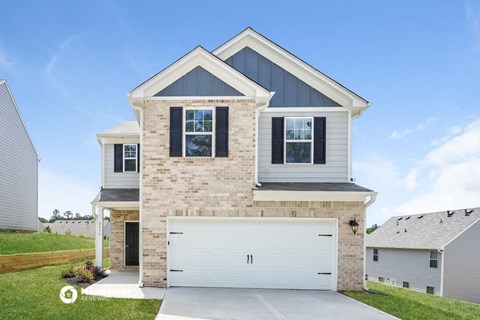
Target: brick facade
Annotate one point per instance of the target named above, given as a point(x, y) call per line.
point(117, 238)
point(176, 186)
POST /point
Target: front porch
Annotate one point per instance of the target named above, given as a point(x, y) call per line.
point(123, 285)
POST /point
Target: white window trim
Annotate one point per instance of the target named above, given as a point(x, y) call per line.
point(430, 259)
point(375, 255)
point(185, 133)
point(125, 158)
point(285, 141)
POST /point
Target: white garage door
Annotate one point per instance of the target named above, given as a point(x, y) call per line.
point(252, 253)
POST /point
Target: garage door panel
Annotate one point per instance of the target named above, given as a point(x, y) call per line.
point(287, 253)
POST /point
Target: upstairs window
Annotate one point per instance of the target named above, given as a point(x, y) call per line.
point(198, 132)
point(433, 259)
point(130, 158)
point(298, 140)
point(375, 254)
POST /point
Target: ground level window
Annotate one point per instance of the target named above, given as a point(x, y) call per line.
point(433, 259)
point(375, 254)
point(366, 276)
point(430, 290)
point(381, 279)
point(406, 284)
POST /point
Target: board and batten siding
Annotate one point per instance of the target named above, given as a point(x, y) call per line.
point(461, 279)
point(334, 170)
point(412, 266)
point(18, 170)
point(118, 179)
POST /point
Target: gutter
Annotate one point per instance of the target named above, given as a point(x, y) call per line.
point(373, 198)
point(257, 115)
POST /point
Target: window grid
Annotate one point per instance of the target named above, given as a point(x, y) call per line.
point(198, 122)
point(433, 259)
point(375, 255)
point(298, 130)
point(129, 158)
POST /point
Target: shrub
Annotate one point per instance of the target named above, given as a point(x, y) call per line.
point(84, 275)
point(98, 273)
point(48, 229)
point(88, 264)
point(69, 272)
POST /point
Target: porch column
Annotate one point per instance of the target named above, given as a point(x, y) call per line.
point(99, 236)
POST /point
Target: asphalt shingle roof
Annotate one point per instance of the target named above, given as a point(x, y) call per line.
point(321, 186)
point(113, 195)
point(422, 231)
point(126, 127)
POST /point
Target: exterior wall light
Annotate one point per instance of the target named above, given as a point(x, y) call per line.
point(354, 225)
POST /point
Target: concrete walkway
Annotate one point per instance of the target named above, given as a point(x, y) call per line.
point(123, 285)
point(261, 304)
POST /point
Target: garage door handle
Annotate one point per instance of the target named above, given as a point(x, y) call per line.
point(248, 259)
point(251, 259)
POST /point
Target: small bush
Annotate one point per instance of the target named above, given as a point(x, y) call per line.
point(69, 272)
point(84, 275)
point(88, 264)
point(98, 273)
point(48, 229)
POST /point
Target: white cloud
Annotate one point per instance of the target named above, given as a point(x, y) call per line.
point(452, 171)
point(408, 131)
point(51, 64)
point(63, 192)
point(411, 179)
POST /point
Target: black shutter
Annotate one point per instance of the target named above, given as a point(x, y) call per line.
point(138, 157)
point(221, 133)
point(277, 139)
point(319, 140)
point(118, 158)
point(176, 121)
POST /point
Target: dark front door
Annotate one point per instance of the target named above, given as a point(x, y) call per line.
point(131, 243)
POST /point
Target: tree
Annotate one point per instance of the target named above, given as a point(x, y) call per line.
point(55, 215)
point(42, 220)
point(78, 216)
point(68, 214)
point(372, 228)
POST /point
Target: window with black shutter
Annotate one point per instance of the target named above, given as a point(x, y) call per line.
point(221, 132)
point(277, 140)
point(176, 131)
point(319, 140)
point(118, 158)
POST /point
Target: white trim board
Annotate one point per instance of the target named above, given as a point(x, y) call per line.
point(283, 195)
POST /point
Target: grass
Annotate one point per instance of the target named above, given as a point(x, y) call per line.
point(408, 304)
point(18, 242)
point(34, 294)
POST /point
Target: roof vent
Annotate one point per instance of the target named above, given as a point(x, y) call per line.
point(397, 222)
point(467, 212)
point(441, 220)
point(450, 213)
point(399, 218)
point(407, 218)
point(405, 230)
point(420, 217)
point(398, 231)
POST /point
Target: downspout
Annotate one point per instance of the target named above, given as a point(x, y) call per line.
point(373, 198)
point(262, 107)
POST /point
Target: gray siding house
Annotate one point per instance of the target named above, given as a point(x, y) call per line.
point(18, 168)
point(436, 253)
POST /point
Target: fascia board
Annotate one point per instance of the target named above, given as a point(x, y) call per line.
point(203, 58)
point(292, 64)
point(271, 195)
point(117, 205)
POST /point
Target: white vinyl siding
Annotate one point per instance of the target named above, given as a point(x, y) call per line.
point(462, 262)
point(18, 170)
point(403, 265)
point(118, 179)
point(336, 167)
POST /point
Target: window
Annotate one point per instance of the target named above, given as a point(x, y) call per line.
point(298, 140)
point(433, 259)
point(130, 158)
point(375, 254)
point(381, 279)
point(198, 132)
point(430, 290)
point(406, 284)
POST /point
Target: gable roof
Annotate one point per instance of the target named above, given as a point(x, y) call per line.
point(294, 65)
point(422, 231)
point(4, 82)
point(125, 128)
point(199, 57)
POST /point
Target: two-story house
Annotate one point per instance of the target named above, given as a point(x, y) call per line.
point(236, 173)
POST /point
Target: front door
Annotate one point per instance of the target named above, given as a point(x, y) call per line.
point(131, 243)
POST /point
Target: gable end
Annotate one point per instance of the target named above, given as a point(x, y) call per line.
point(198, 82)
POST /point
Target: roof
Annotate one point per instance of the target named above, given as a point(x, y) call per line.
point(117, 195)
point(423, 231)
point(3, 81)
point(124, 128)
point(320, 186)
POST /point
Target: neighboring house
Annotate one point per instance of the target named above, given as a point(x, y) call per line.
point(436, 253)
point(18, 168)
point(236, 173)
point(77, 227)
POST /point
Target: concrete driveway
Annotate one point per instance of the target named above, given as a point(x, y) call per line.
point(260, 304)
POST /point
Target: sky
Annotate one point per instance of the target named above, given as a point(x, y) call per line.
point(70, 65)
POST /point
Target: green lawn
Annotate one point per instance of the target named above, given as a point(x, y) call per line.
point(18, 242)
point(34, 294)
point(408, 304)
